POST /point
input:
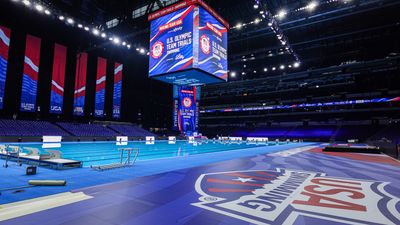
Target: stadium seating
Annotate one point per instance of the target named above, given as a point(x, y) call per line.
point(29, 128)
point(130, 130)
point(87, 130)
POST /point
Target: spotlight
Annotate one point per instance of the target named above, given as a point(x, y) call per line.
point(273, 68)
point(61, 17)
point(243, 73)
point(265, 70)
point(282, 67)
point(47, 12)
point(96, 32)
point(233, 74)
point(296, 65)
point(124, 43)
point(103, 35)
point(256, 21)
point(255, 6)
point(70, 21)
point(116, 40)
point(142, 51)
point(312, 5)
point(26, 2)
point(270, 23)
point(282, 14)
point(128, 46)
point(254, 71)
point(148, 53)
point(39, 8)
point(239, 26)
point(87, 28)
point(110, 38)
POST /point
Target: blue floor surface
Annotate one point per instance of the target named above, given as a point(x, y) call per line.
point(14, 176)
point(308, 187)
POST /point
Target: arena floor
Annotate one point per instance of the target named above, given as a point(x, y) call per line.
point(295, 186)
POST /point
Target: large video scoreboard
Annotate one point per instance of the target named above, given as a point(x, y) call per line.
point(188, 45)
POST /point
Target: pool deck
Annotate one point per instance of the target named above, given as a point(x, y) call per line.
point(300, 186)
point(14, 176)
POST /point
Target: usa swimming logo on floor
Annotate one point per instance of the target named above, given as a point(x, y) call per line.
point(282, 196)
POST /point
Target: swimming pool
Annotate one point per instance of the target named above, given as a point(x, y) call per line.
point(101, 153)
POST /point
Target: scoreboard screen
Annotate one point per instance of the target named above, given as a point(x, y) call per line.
point(188, 45)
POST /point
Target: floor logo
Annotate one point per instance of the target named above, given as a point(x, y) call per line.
point(283, 196)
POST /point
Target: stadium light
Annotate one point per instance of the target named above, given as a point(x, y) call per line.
point(233, 74)
point(96, 32)
point(116, 40)
point(39, 8)
point(239, 26)
point(311, 6)
point(282, 67)
point(70, 21)
point(47, 12)
point(80, 25)
point(257, 20)
point(124, 43)
point(296, 65)
point(265, 69)
point(103, 35)
point(87, 28)
point(142, 51)
point(61, 18)
point(26, 2)
point(273, 68)
point(282, 14)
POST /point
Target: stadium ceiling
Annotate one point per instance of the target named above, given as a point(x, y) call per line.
point(328, 33)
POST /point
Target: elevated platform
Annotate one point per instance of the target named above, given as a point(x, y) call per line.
point(58, 164)
point(353, 148)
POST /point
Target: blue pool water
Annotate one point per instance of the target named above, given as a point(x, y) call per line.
point(101, 153)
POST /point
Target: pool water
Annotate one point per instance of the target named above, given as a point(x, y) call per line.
point(101, 153)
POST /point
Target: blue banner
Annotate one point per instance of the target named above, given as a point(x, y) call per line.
point(118, 67)
point(30, 74)
point(100, 87)
point(187, 110)
point(5, 34)
point(58, 79)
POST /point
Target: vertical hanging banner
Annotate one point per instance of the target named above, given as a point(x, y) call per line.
point(80, 83)
point(58, 79)
point(5, 34)
point(175, 107)
point(30, 75)
point(187, 110)
point(118, 67)
point(100, 87)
